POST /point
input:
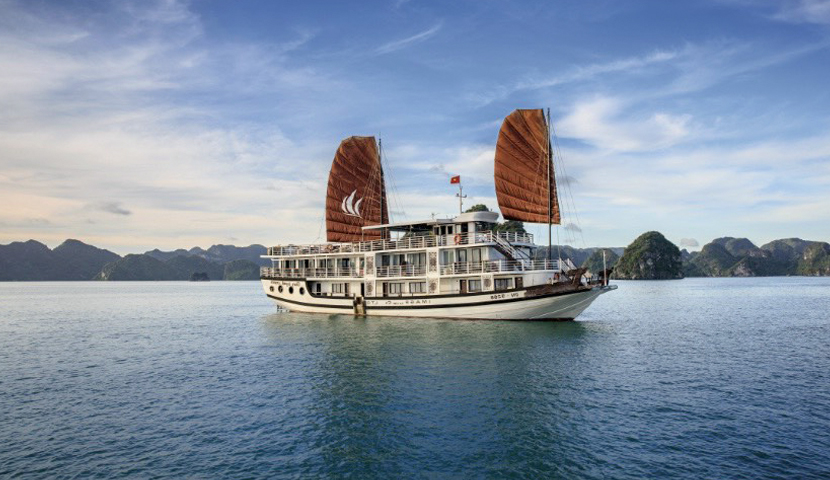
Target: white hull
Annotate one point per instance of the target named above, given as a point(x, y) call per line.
point(507, 305)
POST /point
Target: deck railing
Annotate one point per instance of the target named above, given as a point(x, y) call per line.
point(271, 272)
point(408, 243)
point(456, 268)
point(498, 266)
point(402, 271)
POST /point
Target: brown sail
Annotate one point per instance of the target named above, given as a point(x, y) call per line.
point(356, 194)
point(523, 172)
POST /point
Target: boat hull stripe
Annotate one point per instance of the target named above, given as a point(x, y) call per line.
point(420, 307)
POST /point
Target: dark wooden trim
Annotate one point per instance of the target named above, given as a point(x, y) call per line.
point(347, 307)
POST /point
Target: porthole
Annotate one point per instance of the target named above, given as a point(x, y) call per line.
point(302, 291)
point(280, 288)
point(290, 289)
point(272, 288)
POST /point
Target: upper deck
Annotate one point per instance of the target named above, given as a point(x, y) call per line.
point(405, 243)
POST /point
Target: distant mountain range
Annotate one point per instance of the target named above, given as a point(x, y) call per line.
point(739, 257)
point(75, 260)
point(722, 257)
point(216, 253)
point(651, 256)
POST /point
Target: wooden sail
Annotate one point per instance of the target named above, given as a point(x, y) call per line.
point(356, 195)
point(524, 177)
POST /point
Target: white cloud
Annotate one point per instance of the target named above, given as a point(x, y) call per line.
point(799, 210)
point(582, 73)
point(602, 122)
point(409, 41)
point(136, 110)
point(88, 127)
point(110, 207)
point(473, 162)
point(575, 75)
point(804, 11)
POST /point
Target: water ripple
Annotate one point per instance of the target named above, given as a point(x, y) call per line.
point(704, 378)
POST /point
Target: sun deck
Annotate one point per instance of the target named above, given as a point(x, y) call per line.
point(406, 243)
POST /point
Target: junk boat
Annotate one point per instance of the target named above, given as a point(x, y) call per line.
point(459, 267)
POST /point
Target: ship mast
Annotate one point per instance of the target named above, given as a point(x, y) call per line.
point(550, 206)
point(384, 233)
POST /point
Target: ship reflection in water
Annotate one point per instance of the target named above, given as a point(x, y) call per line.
point(402, 397)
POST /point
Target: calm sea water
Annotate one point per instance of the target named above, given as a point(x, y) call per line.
point(701, 378)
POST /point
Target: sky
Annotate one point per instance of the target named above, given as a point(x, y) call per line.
point(134, 125)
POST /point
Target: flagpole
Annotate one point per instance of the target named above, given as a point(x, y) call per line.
point(460, 194)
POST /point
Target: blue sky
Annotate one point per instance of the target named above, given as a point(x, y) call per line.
point(135, 125)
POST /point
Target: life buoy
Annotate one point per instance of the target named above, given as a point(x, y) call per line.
point(457, 238)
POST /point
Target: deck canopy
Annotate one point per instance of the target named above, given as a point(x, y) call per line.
point(415, 226)
point(427, 225)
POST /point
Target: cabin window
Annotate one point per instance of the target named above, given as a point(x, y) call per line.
point(302, 291)
point(416, 258)
point(475, 254)
point(502, 283)
point(272, 289)
point(317, 288)
point(474, 285)
point(484, 226)
point(384, 260)
point(518, 282)
point(280, 288)
point(418, 287)
point(344, 263)
point(462, 256)
point(395, 288)
point(446, 230)
point(337, 288)
point(290, 289)
point(447, 257)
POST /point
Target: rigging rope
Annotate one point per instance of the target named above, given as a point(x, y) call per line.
point(567, 184)
point(395, 197)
